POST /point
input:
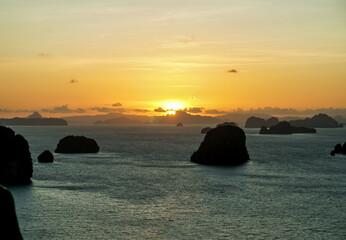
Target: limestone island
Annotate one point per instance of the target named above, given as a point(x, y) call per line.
point(16, 163)
point(339, 149)
point(224, 145)
point(77, 144)
point(318, 121)
point(285, 128)
point(45, 157)
point(256, 122)
point(179, 124)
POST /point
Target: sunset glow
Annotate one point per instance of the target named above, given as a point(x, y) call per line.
point(214, 55)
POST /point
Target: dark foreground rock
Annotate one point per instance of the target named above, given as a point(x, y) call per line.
point(15, 159)
point(9, 228)
point(339, 149)
point(227, 124)
point(286, 128)
point(223, 145)
point(77, 144)
point(45, 157)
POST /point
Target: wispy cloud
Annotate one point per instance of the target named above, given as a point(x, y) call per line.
point(44, 54)
point(107, 109)
point(214, 111)
point(63, 109)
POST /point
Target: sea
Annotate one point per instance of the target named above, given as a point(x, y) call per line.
point(142, 185)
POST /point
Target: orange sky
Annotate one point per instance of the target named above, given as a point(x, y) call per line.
point(145, 54)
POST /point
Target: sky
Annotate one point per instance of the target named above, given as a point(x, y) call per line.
point(83, 56)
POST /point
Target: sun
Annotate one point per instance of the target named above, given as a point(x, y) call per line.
point(171, 112)
point(173, 106)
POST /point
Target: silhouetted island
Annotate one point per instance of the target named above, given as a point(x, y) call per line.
point(9, 228)
point(339, 149)
point(318, 121)
point(34, 119)
point(256, 122)
point(45, 157)
point(285, 128)
point(225, 145)
point(179, 124)
point(77, 144)
point(15, 161)
point(120, 120)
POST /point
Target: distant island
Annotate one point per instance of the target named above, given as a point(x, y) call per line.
point(34, 119)
point(318, 121)
point(285, 128)
point(120, 120)
point(256, 122)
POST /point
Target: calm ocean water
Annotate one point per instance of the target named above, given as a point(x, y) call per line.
point(142, 185)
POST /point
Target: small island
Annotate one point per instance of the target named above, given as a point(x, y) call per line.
point(179, 124)
point(285, 128)
point(224, 145)
point(77, 144)
point(45, 157)
point(339, 149)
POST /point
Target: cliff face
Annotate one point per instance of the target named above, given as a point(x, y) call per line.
point(15, 161)
point(318, 121)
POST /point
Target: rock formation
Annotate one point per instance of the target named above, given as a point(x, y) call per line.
point(286, 128)
point(339, 149)
point(225, 145)
point(271, 122)
point(179, 124)
point(9, 228)
point(77, 144)
point(15, 159)
point(45, 157)
point(318, 121)
point(206, 130)
point(255, 122)
point(227, 124)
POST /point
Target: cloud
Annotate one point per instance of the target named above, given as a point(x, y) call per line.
point(160, 109)
point(5, 110)
point(187, 39)
point(117, 105)
point(73, 81)
point(232, 71)
point(194, 109)
point(214, 111)
point(107, 109)
point(140, 110)
point(43, 54)
point(63, 109)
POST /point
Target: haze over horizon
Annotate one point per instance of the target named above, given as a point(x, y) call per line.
point(149, 57)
